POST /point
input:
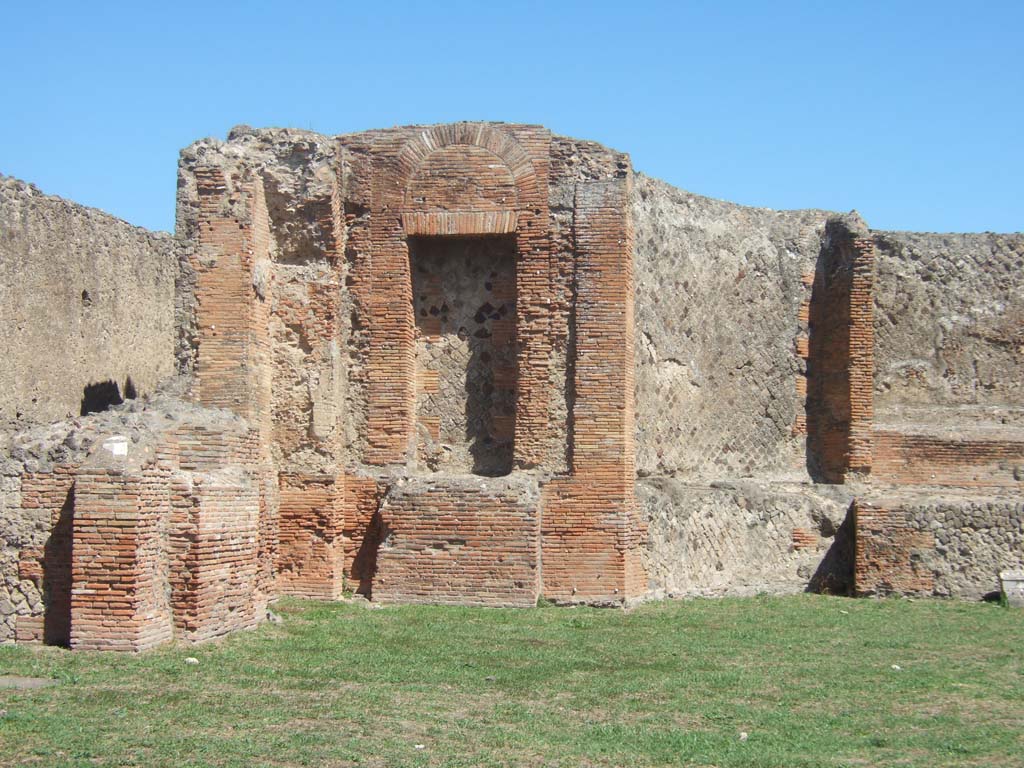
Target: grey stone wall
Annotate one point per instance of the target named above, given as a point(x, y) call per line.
point(724, 486)
point(84, 299)
point(745, 537)
point(18, 529)
point(949, 319)
point(975, 539)
point(718, 296)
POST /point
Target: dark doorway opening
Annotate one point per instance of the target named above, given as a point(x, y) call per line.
point(103, 395)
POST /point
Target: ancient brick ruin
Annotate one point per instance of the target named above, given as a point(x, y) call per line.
point(483, 364)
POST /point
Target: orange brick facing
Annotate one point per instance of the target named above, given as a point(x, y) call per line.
point(922, 459)
point(840, 364)
point(885, 549)
point(311, 548)
point(466, 542)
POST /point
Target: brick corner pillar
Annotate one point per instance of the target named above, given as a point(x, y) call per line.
point(391, 392)
point(215, 583)
point(591, 531)
point(311, 543)
point(862, 355)
point(840, 361)
point(233, 366)
point(119, 560)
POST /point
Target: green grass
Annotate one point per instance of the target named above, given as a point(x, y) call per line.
point(808, 678)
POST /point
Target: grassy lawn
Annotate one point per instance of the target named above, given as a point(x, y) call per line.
point(809, 679)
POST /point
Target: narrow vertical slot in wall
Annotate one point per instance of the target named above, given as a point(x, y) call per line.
point(464, 301)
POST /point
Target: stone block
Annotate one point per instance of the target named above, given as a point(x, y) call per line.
point(1012, 585)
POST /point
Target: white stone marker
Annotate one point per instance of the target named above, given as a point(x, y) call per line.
point(117, 445)
point(1012, 584)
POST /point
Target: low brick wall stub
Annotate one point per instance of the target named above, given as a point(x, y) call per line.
point(462, 541)
point(939, 546)
point(127, 528)
point(311, 545)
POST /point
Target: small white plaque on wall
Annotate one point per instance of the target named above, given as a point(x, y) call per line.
point(117, 445)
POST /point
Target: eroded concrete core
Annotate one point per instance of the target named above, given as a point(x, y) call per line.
point(480, 363)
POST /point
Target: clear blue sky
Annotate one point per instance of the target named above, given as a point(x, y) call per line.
point(910, 112)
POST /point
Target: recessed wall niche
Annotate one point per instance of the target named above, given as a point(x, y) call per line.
point(464, 302)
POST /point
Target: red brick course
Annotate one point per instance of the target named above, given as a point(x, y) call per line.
point(840, 363)
point(884, 553)
point(469, 542)
point(311, 549)
point(921, 459)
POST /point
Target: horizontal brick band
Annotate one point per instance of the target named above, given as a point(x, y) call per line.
point(460, 222)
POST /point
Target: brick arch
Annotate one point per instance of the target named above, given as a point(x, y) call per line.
point(494, 140)
point(461, 189)
point(391, 396)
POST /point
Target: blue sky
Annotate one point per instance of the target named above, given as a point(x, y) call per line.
point(910, 112)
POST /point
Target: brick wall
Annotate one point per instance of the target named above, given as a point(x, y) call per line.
point(311, 546)
point(416, 413)
point(904, 458)
point(952, 545)
point(840, 364)
point(333, 355)
point(591, 541)
point(218, 530)
point(462, 541)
